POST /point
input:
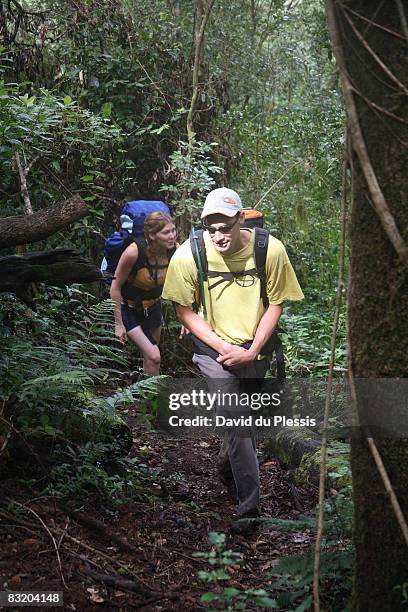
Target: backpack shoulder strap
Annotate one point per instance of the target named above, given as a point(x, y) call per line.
point(197, 245)
point(142, 261)
point(260, 250)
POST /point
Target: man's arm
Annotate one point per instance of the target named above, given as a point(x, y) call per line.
point(200, 328)
point(238, 357)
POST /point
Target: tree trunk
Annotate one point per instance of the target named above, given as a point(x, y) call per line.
point(376, 68)
point(59, 267)
point(40, 224)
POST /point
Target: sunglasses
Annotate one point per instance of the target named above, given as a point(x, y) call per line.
point(224, 229)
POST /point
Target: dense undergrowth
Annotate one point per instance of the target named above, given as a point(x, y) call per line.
point(64, 379)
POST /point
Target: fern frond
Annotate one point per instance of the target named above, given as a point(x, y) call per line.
point(71, 377)
point(303, 522)
point(146, 388)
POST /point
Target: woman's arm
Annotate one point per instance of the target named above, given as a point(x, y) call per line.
point(122, 272)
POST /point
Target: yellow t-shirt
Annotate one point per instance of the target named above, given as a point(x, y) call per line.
point(234, 306)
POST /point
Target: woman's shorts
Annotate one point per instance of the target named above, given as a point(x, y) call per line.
point(149, 319)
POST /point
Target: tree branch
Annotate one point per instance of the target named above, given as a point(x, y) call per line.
point(27, 12)
point(58, 267)
point(380, 109)
point(377, 196)
point(198, 48)
point(42, 223)
point(403, 19)
point(373, 23)
point(23, 183)
point(379, 61)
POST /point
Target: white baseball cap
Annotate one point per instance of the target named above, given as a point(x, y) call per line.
point(222, 201)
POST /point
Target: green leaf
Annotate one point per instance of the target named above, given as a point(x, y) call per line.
point(210, 596)
point(230, 592)
point(44, 420)
point(107, 109)
point(87, 178)
point(218, 539)
point(267, 602)
point(67, 100)
point(161, 129)
point(305, 605)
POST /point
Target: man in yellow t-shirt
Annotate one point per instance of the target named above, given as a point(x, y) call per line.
point(236, 316)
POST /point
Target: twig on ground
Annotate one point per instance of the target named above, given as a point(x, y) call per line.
point(153, 600)
point(118, 582)
point(93, 523)
point(59, 532)
point(64, 533)
point(49, 533)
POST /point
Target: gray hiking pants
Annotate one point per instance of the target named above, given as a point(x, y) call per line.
point(237, 457)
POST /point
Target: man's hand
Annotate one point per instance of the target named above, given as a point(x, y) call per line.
point(236, 357)
point(120, 333)
point(183, 332)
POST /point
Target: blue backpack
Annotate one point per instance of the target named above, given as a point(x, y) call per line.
point(132, 218)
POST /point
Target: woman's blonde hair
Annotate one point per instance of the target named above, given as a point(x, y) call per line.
point(154, 223)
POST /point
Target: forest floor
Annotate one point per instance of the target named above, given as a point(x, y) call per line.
point(141, 556)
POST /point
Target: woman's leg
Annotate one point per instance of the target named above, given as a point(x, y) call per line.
point(155, 334)
point(150, 352)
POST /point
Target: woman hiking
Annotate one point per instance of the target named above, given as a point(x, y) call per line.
point(137, 287)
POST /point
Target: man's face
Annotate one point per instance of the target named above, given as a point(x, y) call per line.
point(224, 232)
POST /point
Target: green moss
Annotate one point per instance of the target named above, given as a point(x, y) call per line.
point(337, 466)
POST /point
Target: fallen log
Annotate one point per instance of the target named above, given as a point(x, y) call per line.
point(24, 229)
point(290, 446)
point(58, 268)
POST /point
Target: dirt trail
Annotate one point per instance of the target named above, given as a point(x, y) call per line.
point(164, 526)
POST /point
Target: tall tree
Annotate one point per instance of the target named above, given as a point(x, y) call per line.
point(370, 43)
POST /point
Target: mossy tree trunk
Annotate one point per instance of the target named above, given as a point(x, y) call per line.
point(371, 33)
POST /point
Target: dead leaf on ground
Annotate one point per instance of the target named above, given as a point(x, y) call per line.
point(32, 543)
point(94, 596)
point(269, 564)
point(14, 581)
point(268, 464)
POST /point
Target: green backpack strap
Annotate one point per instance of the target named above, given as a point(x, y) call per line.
point(200, 257)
